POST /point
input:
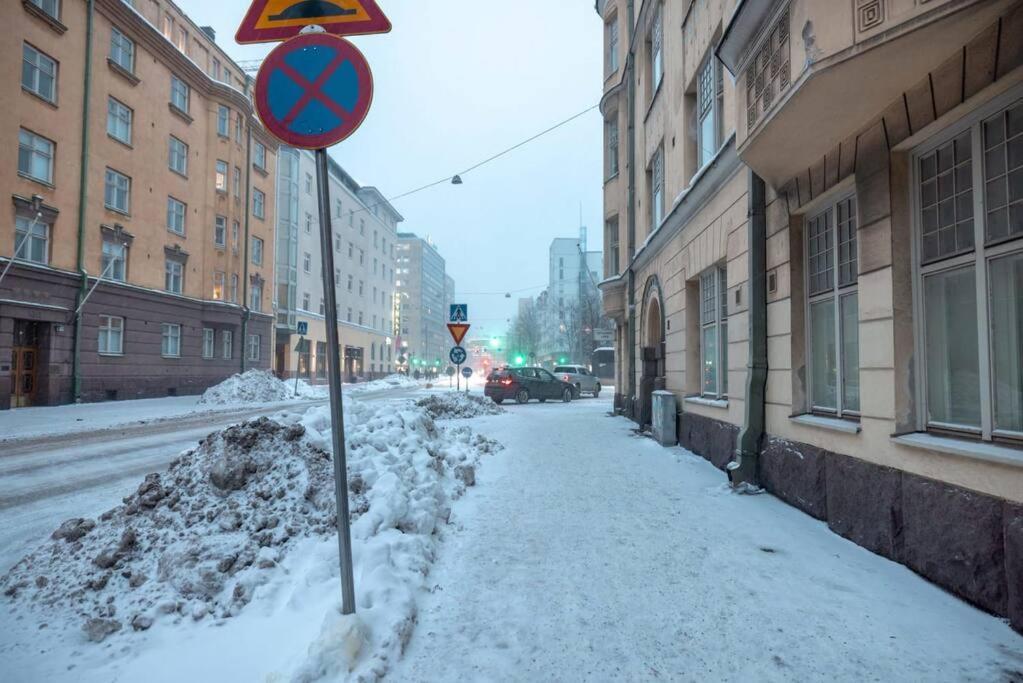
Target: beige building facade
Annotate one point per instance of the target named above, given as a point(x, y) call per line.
point(146, 275)
point(865, 212)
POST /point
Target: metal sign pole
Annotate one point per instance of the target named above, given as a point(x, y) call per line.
point(298, 362)
point(344, 531)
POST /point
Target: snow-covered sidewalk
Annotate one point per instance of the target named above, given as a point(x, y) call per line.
point(589, 553)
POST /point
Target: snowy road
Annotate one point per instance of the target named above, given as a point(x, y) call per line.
point(587, 553)
point(45, 480)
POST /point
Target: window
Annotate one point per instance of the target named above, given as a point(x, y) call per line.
point(227, 344)
point(709, 105)
point(122, 50)
point(656, 181)
point(178, 156)
point(305, 301)
point(611, 132)
point(259, 156)
point(233, 293)
point(321, 359)
point(223, 121)
point(255, 341)
point(769, 71)
point(655, 48)
point(119, 121)
point(115, 259)
point(351, 283)
point(220, 176)
point(613, 247)
point(362, 226)
point(117, 191)
point(35, 156)
point(182, 41)
point(111, 336)
point(235, 230)
point(170, 343)
point(308, 183)
point(351, 218)
point(258, 203)
point(51, 7)
point(220, 232)
point(32, 238)
point(174, 276)
point(714, 333)
point(219, 282)
point(168, 26)
point(209, 343)
point(257, 251)
point(180, 94)
point(323, 307)
point(215, 69)
point(307, 262)
point(340, 209)
point(611, 31)
point(256, 297)
point(38, 73)
point(237, 183)
point(970, 213)
point(308, 223)
point(351, 250)
point(175, 216)
point(238, 128)
point(834, 359)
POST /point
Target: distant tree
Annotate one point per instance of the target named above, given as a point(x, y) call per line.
point(526, 333)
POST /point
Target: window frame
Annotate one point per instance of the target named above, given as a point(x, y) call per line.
point(714, 110)
point(612, 146)
point(126, 210)
point(172, 274)
point(258, 203)
point(123, 258)
point(227, 344)
point(655, 47)
point(31, 231)
point(177, 149)
point(223, 121)
point(35, 152)
point(656, 198)
point(837, 293)
point(719, 273)
point(165, 338)
point(220, 231)
point(171, 200)
point(209, 343)
point(612, 42)
point(180, 88)
point(115, 111)
point(979, 259)
point(255, 343)
point(55, 14)
point(118, 39)
point(33, 88)
point(221, 173)
point(105, 326)
point(257, 254)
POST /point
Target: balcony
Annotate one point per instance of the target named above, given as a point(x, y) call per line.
point(809, 77)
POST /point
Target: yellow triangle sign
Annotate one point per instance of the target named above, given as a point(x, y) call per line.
point(273, 20)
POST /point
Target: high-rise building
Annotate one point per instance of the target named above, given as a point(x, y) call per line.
point(142, 206)
point(364, 242)
point(423, 303)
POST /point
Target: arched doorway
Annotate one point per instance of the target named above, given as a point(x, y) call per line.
point(652, 350)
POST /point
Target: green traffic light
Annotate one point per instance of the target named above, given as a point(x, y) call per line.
point(519, 360)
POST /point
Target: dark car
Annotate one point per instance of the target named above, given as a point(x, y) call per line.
point(525, 384)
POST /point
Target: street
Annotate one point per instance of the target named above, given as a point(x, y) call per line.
point(47, 479)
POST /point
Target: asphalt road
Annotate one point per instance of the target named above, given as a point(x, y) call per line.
point(47, 480)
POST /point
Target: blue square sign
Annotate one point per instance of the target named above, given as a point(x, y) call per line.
point(459, 313)
point(303, 329)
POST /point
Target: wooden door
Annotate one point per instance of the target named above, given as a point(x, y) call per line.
point(25, 364)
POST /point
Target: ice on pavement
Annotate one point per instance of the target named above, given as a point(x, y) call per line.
point(236, 519)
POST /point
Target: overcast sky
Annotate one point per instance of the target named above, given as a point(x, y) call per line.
point(457, 81)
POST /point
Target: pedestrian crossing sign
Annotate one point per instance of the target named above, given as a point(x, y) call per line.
point(459, 313)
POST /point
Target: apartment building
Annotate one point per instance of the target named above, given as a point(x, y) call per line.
point(141, 207)
point(423, 299)
point(364, 230)
point(847, 329)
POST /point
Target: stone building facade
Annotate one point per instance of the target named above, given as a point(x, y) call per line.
point(141, 207)
point(874, 277)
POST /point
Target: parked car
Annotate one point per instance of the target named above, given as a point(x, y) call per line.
point(525, 384)
point(580, 377)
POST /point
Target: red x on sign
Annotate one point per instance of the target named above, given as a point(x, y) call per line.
point(313, 91)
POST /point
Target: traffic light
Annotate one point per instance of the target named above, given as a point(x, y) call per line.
point(519, 360)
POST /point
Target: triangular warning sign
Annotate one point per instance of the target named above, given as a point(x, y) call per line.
point(458, 331)
point(272, 20)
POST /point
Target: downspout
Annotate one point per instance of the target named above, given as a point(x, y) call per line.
point(245, 251)
point(83, 196)
point(743, 469)
point(631, 213)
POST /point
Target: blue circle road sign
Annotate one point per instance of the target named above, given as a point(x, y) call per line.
point(467, 372)
point(458, 355)
point(313, 91)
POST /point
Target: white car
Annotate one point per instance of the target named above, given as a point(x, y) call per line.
point(580, 377)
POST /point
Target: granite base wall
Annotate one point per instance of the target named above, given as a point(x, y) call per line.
point(968, 543)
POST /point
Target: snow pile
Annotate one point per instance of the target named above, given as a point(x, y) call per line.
point(390, 382)
point(199, 542)
point(254, 386)
point(458, 405)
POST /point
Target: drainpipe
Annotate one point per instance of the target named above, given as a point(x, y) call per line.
point(83, 195)
point(743, 469)
point(631, 213)
point(245, 251)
